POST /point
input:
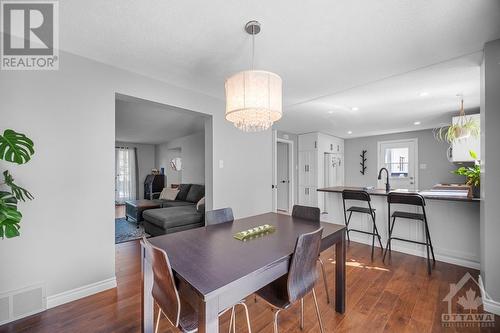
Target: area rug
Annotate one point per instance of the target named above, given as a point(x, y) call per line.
point(126, 231)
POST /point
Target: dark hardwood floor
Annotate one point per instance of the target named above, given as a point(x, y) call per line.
point(399, 297)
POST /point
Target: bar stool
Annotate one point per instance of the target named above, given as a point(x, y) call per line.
point(412, 199)
point(361, 196)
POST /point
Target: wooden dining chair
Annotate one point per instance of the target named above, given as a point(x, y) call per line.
point(217, 216)
point(166, 295)
point(312, 214)
point(299, 281)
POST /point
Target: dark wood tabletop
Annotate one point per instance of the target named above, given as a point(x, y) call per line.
point(209, 258)
point(382, 192)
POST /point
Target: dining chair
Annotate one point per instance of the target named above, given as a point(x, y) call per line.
point(299, 281)
point(217, 216)
point(312, 214)
point(170, 302)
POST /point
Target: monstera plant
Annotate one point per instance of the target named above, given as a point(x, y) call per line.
point(15, 148)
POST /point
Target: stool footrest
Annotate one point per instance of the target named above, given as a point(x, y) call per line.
point(364, 232)
point(408, 240)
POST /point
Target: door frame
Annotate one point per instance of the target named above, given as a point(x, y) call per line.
point(291, 172)
point(380, 183)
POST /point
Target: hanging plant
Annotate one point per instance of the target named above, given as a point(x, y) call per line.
point(464, 128)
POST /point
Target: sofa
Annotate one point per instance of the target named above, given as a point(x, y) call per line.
point(176, 215)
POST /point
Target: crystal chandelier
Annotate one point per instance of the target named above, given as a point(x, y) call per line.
point(253, 97)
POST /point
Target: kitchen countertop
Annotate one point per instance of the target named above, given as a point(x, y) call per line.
point(382, 192)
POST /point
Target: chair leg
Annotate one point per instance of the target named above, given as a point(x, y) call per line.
point(373, 239)
point(302, 313)
point(232, 321)
point(388, 246)
point(158, 321)
point(428, 258)
point(347, 226)
point(430, 241)
point(247, 315)
point(376, 231)
point(276, 320)
point(317, 312)
point(324, 280)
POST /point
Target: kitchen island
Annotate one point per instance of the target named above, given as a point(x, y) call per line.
point(453, 223)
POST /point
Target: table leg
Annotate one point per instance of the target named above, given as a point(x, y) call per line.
point(340, 261)
point(208, 316)
point(147, 298)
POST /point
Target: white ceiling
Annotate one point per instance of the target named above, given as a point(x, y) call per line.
point(320, 48)
point(145, 122)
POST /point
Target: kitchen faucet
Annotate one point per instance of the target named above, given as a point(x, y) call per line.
point(387, 185)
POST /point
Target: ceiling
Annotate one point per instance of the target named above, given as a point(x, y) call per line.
point(331, 54)
point(150, 123)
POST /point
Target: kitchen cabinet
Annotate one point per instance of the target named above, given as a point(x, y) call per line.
point(460, 148)
point(314, 150)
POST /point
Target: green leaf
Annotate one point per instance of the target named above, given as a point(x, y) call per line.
point(473, 154)
point(15, 147)
point(11, 230)
point(19, 192)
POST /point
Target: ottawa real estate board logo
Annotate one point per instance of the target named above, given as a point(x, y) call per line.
point(30, 35)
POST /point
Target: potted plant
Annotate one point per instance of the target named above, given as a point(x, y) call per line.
point(15, 148)
point(472, 174)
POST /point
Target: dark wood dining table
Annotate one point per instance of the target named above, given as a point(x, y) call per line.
point(223, 270)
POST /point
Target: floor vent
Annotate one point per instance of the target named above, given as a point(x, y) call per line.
point(22, 303)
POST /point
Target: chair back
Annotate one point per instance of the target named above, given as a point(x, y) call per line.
point(355, 195)
point(413, 199)
point(164, 289)
point(303, 274)
point(217, 216)
point(306, 213)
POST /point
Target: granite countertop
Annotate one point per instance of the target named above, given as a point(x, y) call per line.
point(381, 192)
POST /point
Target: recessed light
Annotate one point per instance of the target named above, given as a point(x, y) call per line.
point(354, 108)
point(330, 112)
point(423, 94)
point(417, 123)
point(349, 132)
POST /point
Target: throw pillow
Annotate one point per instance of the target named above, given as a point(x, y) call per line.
point(169, 193)
point(201, 202)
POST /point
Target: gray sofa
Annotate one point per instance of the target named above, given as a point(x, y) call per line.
point(176, 215)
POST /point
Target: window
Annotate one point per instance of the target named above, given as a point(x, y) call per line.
point(396, 161)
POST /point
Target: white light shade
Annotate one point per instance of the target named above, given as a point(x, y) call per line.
point(253, 100)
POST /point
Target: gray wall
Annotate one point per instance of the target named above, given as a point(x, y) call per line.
point(490, 182)
point(69, 114)
point(192, 152)
point(430, 152)
point(295, 139)
point(145, 159)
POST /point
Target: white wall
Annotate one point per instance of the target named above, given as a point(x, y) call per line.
point(490, 180)
point(192, 152)
point(145, 159)
point(70, 115)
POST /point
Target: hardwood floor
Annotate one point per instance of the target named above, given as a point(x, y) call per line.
point(398, 297)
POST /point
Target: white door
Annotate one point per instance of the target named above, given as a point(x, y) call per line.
point(283, 177)
point(400, 158)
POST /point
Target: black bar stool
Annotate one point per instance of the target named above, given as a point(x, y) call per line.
point(361, 196)
point(412, 199)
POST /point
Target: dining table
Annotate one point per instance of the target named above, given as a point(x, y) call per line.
point(223, 270)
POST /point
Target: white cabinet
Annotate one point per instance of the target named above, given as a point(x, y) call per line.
point(460, 148)
point(313, 150)
point(307, 168)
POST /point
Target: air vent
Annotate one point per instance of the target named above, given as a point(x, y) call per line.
point(22, 303)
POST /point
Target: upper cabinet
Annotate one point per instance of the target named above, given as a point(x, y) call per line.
point(460, 148)
point(308, 142)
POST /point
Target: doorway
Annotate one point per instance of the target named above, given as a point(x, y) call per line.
point(400, 158)
point(283, 196)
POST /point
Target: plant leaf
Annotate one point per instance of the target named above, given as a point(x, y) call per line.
point(19, 192)
point(473, 154)
point(15, 147)
point(11, 230)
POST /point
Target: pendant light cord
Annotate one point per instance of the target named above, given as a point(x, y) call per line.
point(253, 47)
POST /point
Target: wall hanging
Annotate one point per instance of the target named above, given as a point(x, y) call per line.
point(363, 162)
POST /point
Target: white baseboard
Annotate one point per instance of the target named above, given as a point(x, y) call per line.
point(80, 292)
point(465, 262)
point(489, 305)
